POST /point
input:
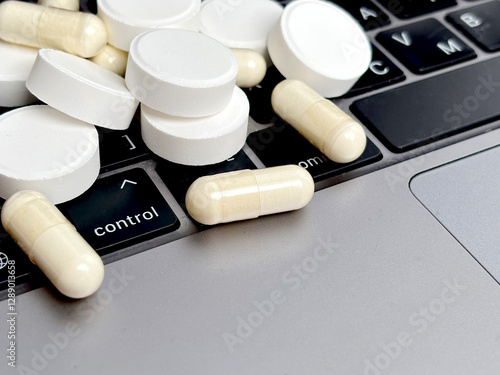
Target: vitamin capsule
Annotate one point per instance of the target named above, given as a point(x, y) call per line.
point(252, 67)
point(320, 121)
point(113, 59)
point(248, 194)
point(34, 25)
point(52, 243)
point(62, 4)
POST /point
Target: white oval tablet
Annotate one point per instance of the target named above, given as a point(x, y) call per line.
point(197, 141)
point(82, 89)
point(15, 65)
point(320, 44)
point(181, 73)
point(240, 24)
point(125, 19)
point(47, 151)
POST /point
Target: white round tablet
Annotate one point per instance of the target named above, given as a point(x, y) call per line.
point(47, 151)
point(181, 73)
point(240, 24)
point(15, 65)
point(82, 89)
point(125, 19)
point(197, 141)
point(320, 44)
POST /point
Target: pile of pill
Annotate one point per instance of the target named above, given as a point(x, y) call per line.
point(184, 62)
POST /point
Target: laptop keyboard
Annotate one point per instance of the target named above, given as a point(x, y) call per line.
point(433, 81)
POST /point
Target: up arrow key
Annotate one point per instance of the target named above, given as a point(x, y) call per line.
point(127, 181)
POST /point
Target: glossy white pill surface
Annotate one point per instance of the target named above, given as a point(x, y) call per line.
point(248, 194)
point(125, 19)
point(52, 243)
point(15, 65)
point(320, 44)
point(197, 141)
point(251, 67)
point(34, 25)
point(181, 73)
point(112, 59)
point(240, 24)
point(45, 150)
point(320, 121)
point(62, 4)
point(82, 89)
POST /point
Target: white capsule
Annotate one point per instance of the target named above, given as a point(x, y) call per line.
point(321, 122)
point(252, 67)
point(52, 243)
point(62, 4)
point(248, 194)
point(113, 59)
point(34, 25)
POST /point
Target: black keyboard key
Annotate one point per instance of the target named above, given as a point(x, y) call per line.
point(412, 8)
point(179, 178)
point(121, 210)
point(425, 46)
point(429, 110)
point(281, 144)
point(382, 73)
point(119, 148)
point(480, 24)
point(260, 97)
point(366, 12)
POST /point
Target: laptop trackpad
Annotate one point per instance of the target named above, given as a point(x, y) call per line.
point(465, 197)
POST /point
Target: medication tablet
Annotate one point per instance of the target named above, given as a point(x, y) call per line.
point(82, 89)
point(53, 244)
point(326, 126)
point(248, 194)
point(241, 23)
point(197, 141)
point(181, 73)
point(45, 150)
point(320, 44)
point(125, 19)
point(15, 65)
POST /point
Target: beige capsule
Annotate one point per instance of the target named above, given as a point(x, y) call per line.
point(62, 4)
point(321, 122)
point(53, 244)
point(252, 67)
point(113, 59)
point(39, 26)
point(248, 194)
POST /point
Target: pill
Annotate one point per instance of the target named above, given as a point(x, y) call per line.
point(53, 244)
point(113, 59)
point(82, 89)
point(197, 141)
point(125, 19)
point(248, 194)
point(320, 121)
point(319, 43)
point(240, 24)
point(62, 4)
point(34, 25)
point(166, 75)
point(251, 67)
point(45, 150)
point(15, 65)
